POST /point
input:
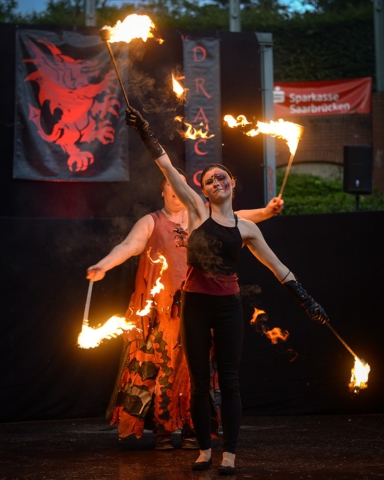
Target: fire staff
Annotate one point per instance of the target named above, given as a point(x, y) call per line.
point(152, 386)
point(210, 297)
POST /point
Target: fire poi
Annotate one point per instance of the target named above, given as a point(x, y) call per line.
point(133, 26)
point(360, 371)
point(92, 337)
point(290, 132)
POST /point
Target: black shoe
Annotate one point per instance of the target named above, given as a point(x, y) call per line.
point(189, 443)
point(164, 442)
point(227, 470)
point(198, 466)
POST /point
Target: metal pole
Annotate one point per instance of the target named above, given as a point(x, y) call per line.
point(342, 341)
point(90, 13)
point(87, 303)
point(266, 59)
point(234, 16)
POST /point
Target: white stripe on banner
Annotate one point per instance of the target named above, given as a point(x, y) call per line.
point(203, 110)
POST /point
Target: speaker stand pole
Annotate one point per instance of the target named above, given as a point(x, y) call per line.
point(357, 202)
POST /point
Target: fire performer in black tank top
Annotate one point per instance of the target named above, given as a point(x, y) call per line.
point(210, 299)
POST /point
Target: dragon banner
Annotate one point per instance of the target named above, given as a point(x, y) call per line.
point(69, 117)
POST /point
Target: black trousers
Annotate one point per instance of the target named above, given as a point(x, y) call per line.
point(199, 314)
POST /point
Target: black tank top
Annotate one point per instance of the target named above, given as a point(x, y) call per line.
point(215, 248)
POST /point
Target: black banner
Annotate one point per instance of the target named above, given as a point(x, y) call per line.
point(202, 74)
point(69, 118)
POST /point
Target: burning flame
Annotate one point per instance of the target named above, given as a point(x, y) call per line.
point(256, 313)
point(92, 337)
point(179, 90)
point(240, 121)
point(133, 26)
point(161, 260)
point(158, 285)
point(290, 132)
point(193, 133)
point(359, 375)
point(146, 309)
point(275, 334)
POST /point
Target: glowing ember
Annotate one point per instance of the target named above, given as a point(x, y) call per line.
point(133, 26)
point(359, 375)
point(290, 132)
point(92, 337)
point(193, 133)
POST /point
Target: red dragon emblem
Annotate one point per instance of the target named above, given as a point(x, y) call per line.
point(77, 101)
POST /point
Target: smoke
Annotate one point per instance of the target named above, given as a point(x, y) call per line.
point(249, 291)
point(205, 253)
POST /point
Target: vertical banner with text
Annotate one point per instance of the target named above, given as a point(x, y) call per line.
point(203, 110)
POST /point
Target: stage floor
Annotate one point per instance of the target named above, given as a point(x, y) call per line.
point(274, 448)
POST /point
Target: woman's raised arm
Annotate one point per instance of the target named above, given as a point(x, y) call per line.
point(188, 197)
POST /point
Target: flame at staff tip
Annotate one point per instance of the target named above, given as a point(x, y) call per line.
point(359, 375)
point(290, 132)
point(92, 337)
point(133, 26)
point(193, 133)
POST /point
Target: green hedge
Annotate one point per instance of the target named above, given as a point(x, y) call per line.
point(304, 194)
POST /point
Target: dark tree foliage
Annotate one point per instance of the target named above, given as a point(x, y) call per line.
point(336, 5)
point(335, 40)
point(7, 11)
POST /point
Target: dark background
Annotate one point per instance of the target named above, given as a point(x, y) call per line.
point(52, 231)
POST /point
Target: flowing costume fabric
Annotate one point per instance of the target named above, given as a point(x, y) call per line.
point(152, 388)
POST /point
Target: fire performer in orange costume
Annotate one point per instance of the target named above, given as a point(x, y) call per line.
point(152, 387)
point(210, 297)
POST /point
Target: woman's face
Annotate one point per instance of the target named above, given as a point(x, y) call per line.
point(217, 184)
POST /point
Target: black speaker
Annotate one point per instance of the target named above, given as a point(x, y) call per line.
point(358, 169)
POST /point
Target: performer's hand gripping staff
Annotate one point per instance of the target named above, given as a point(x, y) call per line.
point(314, 310)
point(134, 119)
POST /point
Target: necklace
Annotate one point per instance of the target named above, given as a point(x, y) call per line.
point(172, 220)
